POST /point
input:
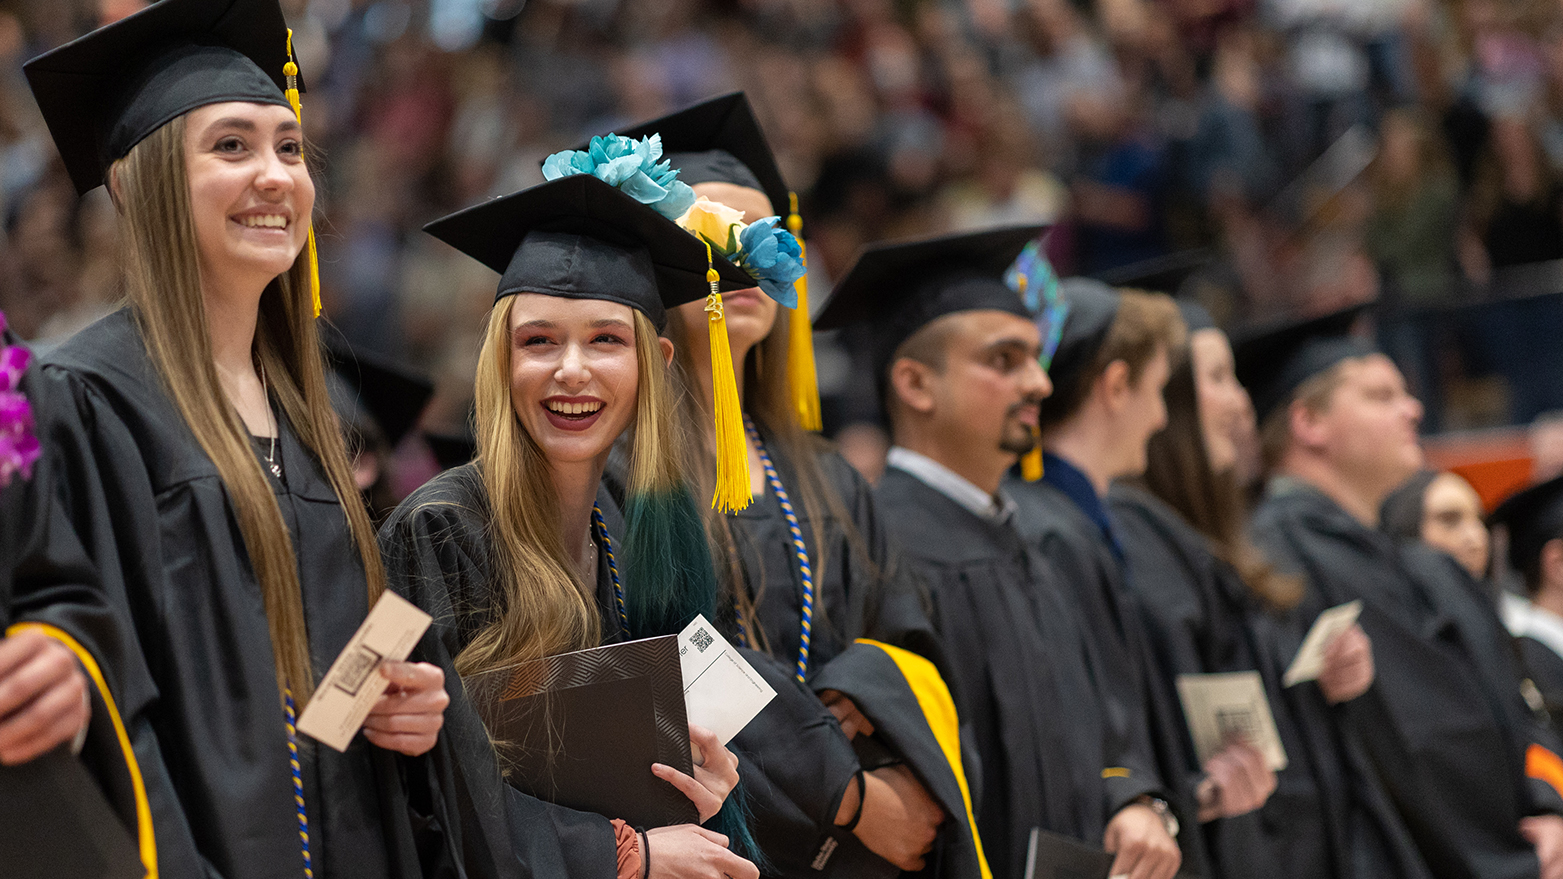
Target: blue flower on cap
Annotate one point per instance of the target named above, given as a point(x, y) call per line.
point(630, 166)
point(772, 256)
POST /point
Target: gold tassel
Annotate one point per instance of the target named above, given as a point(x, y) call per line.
point(732, 450)
point(290, 71)
point(800, 342)
point(1031, 462)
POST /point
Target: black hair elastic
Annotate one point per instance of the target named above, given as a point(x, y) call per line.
point(862, 798)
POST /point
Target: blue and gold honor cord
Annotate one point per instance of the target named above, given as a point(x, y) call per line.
point(805, 570)
point(601, 527)
point(298, 784)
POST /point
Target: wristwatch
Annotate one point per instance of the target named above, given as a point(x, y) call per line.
point(1162, 810)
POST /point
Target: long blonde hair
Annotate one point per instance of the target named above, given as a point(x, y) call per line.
point(767, 400)
point(163, 279)
point(541, 605)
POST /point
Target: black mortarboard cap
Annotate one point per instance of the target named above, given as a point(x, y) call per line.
point(1274, 358)
point(897, 288)
point(102, 93)
point(580, 238)
point(1161, 274)
point(1092, 307)
point(719, 141)
point(390, 394)
point(1533, 517)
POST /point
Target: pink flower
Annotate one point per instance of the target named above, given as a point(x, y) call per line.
point(13, 362)
point(18, 446)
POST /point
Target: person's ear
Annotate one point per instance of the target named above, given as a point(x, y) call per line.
point(666, 345)
point(1114, 387)
point(1308, 426)
point(911, 382)
point(1552, 563)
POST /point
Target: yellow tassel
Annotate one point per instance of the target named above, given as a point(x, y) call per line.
point(290, 72)
point(800, 342)
point(732, 450)
point(1031, 462)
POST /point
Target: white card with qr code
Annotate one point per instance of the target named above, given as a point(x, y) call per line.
point(722, 691)
point(1222, 707)
point(347, 692)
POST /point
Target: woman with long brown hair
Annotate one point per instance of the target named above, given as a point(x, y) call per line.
point(203, 468)
point(804, 563)
point(1212, 604)
point(522, 554)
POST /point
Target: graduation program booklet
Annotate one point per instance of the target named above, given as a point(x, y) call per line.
point(350, 688)
point(1309, 662)
point(55, 821)
point(1223, 707)
point(582, 729)
point(722, 691)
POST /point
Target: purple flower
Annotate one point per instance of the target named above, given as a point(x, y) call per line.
point(18, 446)
point(13, 362)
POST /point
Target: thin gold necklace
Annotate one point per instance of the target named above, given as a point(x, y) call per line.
point(271, 453)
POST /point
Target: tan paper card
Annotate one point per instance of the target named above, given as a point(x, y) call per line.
point(351, 687)
point(722, 691)
point(1309, 662)
point(1221, 707)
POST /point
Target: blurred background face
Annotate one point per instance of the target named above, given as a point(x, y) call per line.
point(1224, 408)
point(1371, 425)
point(1452, 522)
point(750, 313)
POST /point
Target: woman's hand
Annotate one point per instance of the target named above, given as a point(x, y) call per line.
point(716, 772)
point(1237, 782)
point(1348, 666)
point(685, 851)
point(900, 821)
point(1140, 846)
point(846, 712)
point(408, 717)
point(43, 696)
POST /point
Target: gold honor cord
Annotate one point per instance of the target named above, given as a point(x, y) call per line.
point(801, 374)
point(732, 456)
point(290, 71)
point(1030, 462)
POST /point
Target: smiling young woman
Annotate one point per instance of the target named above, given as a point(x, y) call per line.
point(204, 470)
point(522, 554)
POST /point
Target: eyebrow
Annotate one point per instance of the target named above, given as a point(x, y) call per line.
point(248, 125)
point(1022, 344)
point(600, 323)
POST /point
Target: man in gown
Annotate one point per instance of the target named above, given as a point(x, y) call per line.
point(956, 363)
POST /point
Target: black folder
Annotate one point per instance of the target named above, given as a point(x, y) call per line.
point(582, 729)
point(1054, 856)
point(55, 821)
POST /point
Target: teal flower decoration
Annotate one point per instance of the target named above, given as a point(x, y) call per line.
point(632, 167)
point(771, 256)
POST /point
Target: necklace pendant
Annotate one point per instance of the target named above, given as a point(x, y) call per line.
point(276, 470)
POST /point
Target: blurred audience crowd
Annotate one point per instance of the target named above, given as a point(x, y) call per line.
point(1296, 155)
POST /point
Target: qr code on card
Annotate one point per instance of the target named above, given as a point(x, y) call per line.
point(355, 669)
point(701, 639)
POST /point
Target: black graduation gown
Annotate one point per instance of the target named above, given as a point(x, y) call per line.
point(805, 760)
point(1201, 618)
point(1141, 714)
point(1029, 682)
point(438, 555)
point(1545, 668)
point(1445, 724)
point(47, 582)
point(197, 683)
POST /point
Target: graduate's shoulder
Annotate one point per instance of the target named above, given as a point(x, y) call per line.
point(109, 353)
point(1044, 512)
point(931, 529)
point(453, 504)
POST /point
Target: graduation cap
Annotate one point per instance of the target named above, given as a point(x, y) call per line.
point(1533, 517)
point(580, 238)
point(720, 141)
point(897, 288)
point(103, 93)
point(388, 394)
point(1093, 305)
point(1275, 358)
point(1161, 274)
